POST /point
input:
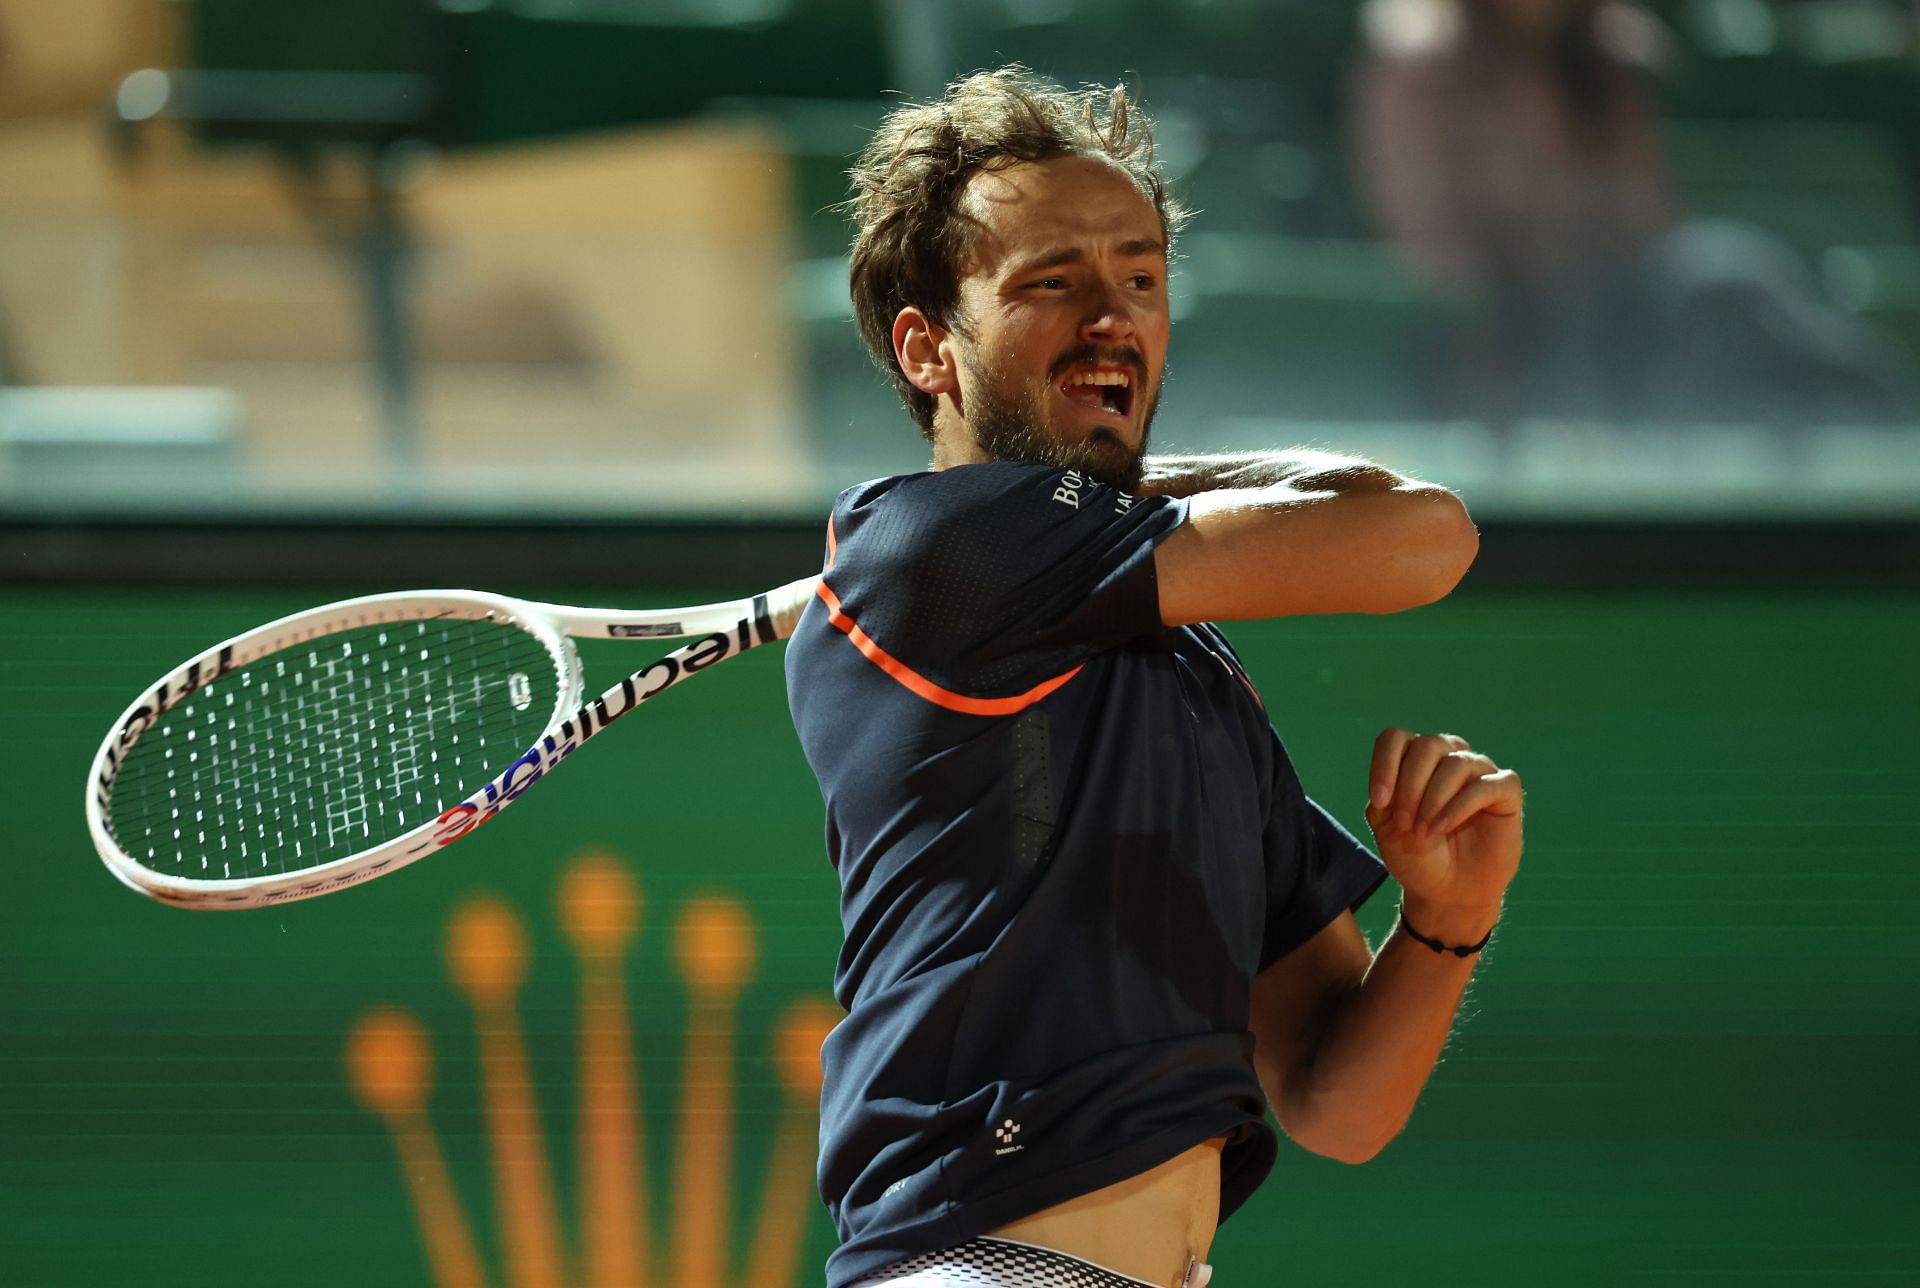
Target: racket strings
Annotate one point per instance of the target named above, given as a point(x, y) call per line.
point(333, 746)
point(304, 719)
point(321, 721)
point(409, 690)
point(319, 745)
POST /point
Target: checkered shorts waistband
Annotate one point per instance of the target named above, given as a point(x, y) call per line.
point(998, 1263)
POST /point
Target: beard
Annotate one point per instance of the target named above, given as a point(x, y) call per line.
point(1008, 427)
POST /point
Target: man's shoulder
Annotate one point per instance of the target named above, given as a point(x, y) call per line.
point(955, 485)
point(994, 495)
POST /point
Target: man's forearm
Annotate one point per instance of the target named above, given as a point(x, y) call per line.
point(1377, 1051)
point(1302, 468)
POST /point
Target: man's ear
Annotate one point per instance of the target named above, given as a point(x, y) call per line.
point(925, 352)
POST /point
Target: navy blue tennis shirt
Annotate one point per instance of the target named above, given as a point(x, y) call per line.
point(1067, 839)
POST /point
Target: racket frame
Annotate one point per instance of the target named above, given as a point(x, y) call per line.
point(724, 630)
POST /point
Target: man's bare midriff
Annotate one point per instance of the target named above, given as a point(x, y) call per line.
point(1146, 1226)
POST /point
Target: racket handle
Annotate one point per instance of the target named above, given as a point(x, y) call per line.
point(785, 604)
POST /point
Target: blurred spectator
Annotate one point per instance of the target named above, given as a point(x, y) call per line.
point(1510, 149)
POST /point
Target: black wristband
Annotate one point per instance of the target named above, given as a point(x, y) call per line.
point(1435, 944)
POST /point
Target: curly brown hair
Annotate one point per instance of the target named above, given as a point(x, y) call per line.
point(909, 183)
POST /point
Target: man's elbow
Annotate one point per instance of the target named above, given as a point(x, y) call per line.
point(1440, 544)
point(1351, 1148)
point(1348, 1143)
point(1354, 1156)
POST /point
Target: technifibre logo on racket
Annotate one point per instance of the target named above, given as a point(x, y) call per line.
point(555, 747)
point(719, 1228)
point(170, 692)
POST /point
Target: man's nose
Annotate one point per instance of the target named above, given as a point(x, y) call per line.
point(1107, 316)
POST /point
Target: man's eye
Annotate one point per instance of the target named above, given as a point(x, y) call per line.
point(1142, 281)
point(1052, 283)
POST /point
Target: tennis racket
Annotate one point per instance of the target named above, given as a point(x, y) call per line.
point(343, 743)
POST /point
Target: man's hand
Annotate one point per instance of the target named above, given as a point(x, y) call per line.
point(1447, 822)
point(1343, 1043)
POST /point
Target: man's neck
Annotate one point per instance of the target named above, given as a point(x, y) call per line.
point(954, 444)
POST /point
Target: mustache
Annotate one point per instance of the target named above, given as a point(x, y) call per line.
point(1121, 355)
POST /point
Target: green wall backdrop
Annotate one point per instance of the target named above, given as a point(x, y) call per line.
point(1689, 1055)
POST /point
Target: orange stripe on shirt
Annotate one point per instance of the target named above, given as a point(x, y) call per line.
point(910, 679)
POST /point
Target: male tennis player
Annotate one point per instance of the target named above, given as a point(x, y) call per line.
point(1094, 927)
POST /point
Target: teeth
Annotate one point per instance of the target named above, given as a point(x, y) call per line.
point(1100, 378)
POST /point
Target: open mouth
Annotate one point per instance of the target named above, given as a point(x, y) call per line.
point(1105, 389)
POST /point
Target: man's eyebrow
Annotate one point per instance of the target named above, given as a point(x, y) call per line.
point(1050, 259)
point(1074, 255)
point(1143, 246)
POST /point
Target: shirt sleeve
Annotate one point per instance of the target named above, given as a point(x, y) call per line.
point(1316, 869)
point(985, 580)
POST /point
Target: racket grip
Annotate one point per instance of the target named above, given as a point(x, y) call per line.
point(785, 604)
